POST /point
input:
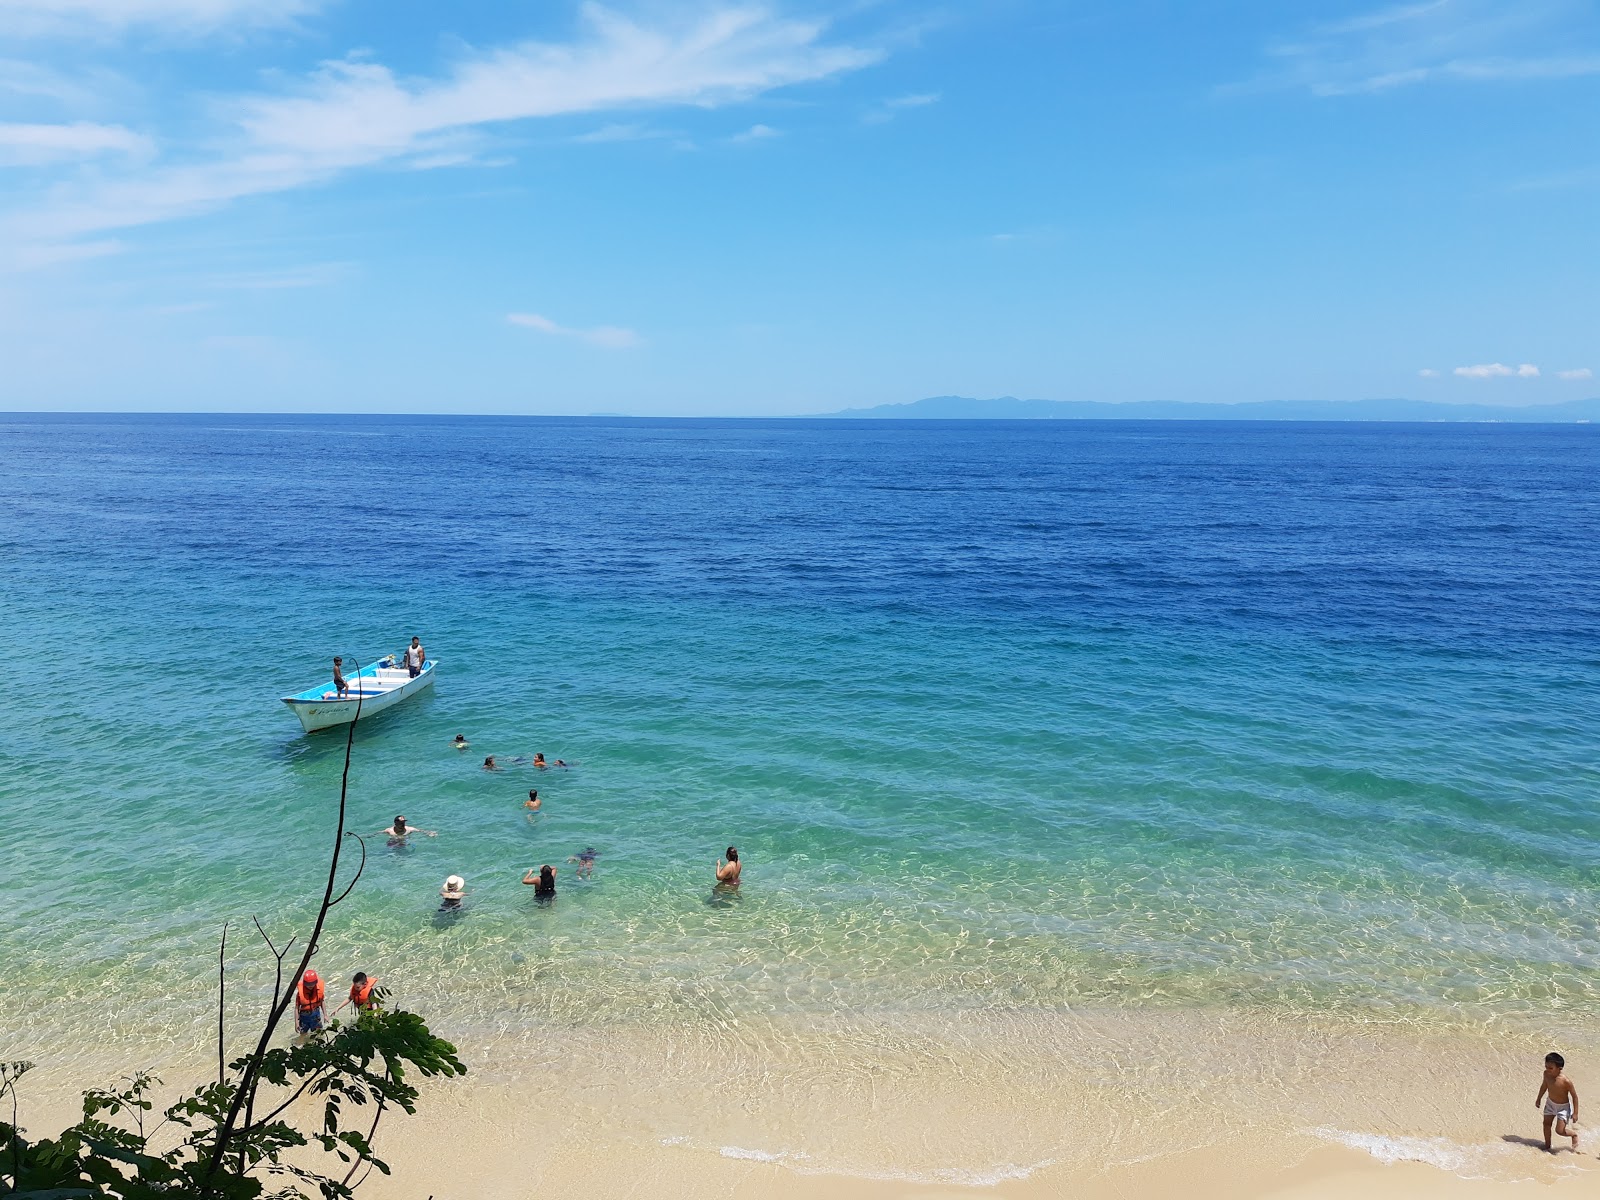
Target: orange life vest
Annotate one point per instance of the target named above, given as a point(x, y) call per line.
point(361, 993)
point(309, 997)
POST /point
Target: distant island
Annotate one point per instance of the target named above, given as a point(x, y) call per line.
point(966, 408)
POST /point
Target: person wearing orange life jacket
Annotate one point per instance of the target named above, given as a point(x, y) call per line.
point(363, 995)
point(309, 997)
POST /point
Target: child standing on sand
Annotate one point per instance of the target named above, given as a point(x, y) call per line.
point(1560, 1099)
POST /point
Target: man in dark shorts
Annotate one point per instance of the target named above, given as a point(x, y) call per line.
point(415, 657)
point(339, 684)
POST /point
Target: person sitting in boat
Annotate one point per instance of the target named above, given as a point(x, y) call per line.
point(415, 657)
point(399, 831)
point(339, 684)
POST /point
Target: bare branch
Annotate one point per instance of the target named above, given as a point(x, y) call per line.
point(359, 869)
point(244, 1094)
point(222, 992)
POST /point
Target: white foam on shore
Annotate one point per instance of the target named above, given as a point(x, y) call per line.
point(802, 1163)
point(781, 1156)
point(1435, 1152)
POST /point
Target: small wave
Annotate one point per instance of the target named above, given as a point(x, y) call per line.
point(1436, 1152)
point(802, 1163)
point(759, 1155)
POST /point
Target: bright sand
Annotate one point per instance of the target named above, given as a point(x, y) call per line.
point(1081, 1103)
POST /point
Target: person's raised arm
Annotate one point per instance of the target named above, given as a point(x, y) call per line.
point(531, 877)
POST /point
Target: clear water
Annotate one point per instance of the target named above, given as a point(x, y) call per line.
point(1002, 716)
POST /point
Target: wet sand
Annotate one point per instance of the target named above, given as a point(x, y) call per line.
point(1089, 1104)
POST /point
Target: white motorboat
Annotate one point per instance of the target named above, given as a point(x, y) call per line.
point(372, 689)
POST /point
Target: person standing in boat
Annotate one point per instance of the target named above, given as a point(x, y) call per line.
point(415, 657)
point(340, 687)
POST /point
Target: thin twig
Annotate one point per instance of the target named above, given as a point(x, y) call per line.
point(222, 991)
point(371, 1132)
point(248, 1077)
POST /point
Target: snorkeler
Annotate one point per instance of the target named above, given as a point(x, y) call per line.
point(585, 860)
point(399, 831)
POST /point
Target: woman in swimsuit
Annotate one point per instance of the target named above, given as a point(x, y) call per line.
point(543, 884)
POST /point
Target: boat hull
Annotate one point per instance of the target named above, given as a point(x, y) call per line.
point(372, 691)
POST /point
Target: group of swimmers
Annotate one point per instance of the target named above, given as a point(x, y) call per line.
point(310, 995)
point(542, 880)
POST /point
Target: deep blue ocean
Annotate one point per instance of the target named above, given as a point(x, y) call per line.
point(1279, 717)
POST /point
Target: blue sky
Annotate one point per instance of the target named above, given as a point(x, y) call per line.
point(729, 208)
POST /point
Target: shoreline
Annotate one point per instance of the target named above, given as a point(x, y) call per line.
point(1090, 1103)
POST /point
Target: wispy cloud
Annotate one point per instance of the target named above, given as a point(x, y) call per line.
point(36, 145)
point(1428, 373)
point(620, 131)
point(1498, 371)
point(1468, 41)
point(353, 113)
point(756, 133)
point(94, 18)
point(608, 337)
point(887, 110)
point(1577, 374)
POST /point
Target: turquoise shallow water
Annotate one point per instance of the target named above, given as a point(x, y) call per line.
point(1281, 718)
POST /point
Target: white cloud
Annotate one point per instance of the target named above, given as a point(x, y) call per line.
point(1580, 373)
point(756, 133)
point(1528, 371)
point(354, 113)
point(620, 131)
point(1461, 40)
point(608, 337)
point(34, 145)
point(888, 109)
point(78, 18)
point(1428, 373)
point(1485, 371)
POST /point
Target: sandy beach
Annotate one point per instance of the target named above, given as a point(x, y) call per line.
point(1095, 1104)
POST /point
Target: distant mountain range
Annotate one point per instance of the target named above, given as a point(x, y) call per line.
point(947, 408)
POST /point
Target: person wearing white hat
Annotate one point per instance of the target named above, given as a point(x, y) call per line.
point(453, 890)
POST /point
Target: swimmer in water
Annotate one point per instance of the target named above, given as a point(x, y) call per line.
point(488, 764)
point(585, 860)
point(538, 761)
point(461, 742)
point(543, 884)
point(453, 892)
point(533, 802)
point(728, 872)
point(399, 831)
